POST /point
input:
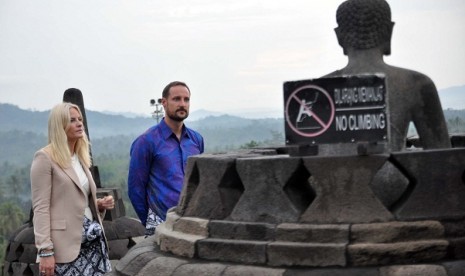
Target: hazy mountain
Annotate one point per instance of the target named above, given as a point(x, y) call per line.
point(257, 113)
point(14, 118)
point(23, 132)
point(202, 114)
point(451, 98)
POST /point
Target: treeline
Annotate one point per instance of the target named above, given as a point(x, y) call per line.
point(455, 120)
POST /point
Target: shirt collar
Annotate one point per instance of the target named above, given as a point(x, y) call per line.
point(167, 132)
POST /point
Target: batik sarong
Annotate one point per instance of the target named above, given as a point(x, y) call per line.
point(93, 257)
point(153, 220)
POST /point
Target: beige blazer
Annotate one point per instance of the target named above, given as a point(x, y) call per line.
point(58, 202)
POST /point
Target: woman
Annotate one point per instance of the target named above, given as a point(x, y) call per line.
point(67, 215)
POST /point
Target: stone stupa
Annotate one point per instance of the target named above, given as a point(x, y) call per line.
point(344, 196)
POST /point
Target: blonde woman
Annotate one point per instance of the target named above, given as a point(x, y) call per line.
point(67, 214)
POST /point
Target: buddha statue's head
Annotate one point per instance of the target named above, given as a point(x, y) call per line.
point(364, 24)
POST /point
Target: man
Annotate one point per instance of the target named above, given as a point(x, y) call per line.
point(159, 157)
point(364, 32)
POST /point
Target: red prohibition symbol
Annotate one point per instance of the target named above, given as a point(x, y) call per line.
point(300, 97)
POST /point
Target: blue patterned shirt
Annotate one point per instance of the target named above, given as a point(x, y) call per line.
point(156, 169)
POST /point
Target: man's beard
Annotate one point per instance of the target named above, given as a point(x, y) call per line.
point(175, 117)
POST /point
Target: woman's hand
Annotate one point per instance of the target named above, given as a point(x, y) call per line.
point(47, 265)
point(106, 203)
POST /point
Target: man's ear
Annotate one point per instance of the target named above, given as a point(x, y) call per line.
point(340, 39)
point(163, 102)
point(387, 43)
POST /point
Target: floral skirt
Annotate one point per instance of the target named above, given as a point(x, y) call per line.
point(93, 257)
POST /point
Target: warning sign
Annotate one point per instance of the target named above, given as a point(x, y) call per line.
point(335, 110)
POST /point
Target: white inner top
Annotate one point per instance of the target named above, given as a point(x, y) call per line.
point(84, 181)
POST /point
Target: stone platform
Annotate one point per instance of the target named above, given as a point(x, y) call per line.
point(146, 259)
point(263, 213)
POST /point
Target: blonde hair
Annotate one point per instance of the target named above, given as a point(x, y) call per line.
point(58, 123)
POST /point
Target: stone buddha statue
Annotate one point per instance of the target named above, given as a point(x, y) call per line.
point(364, 32)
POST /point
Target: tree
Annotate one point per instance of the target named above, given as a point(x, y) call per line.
point(11, 218)
point(250, 145)
point(15, 186)
point(455, 125)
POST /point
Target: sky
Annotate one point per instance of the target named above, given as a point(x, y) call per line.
point(233, 54)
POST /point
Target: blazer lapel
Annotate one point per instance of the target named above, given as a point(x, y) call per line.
point(72, 174)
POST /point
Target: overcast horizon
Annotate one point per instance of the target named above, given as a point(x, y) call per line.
point(232, 54)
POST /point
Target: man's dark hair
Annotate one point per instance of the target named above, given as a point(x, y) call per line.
point(364, 24)
point(166, 90)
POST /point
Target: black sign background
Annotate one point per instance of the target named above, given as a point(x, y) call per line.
point(310, 110)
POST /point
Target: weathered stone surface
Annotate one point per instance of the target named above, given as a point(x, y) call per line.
point(237, 230)
point(144, 246)
point(136, 263)
point(457, 140)
point(455, 268)
point(457, 248)
point(211, 269)
point(220, 185)
point(110, 231)
point(6, 268)
point(12, 252)
point(389, 184)
point(20, 269)
point(313, 233)
point(126, 227)
point(420, 270)
point(26, 235)
point(396, 231)
point(161, 266)
point(177, 242)
point(306, 254)
point(218, 189)
point(22, 249)
point(438, 174)
point(190, 184)
point(165, 264)
point(264, 180)
point(454, 228)
point(191, 225)
point(120, 233)
point(333, 272)
point(246, 252)
point(29, 254)
point(343, 192)
point(366, 254)
point(117, 248)
point(243, 270)
point(171, 218)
